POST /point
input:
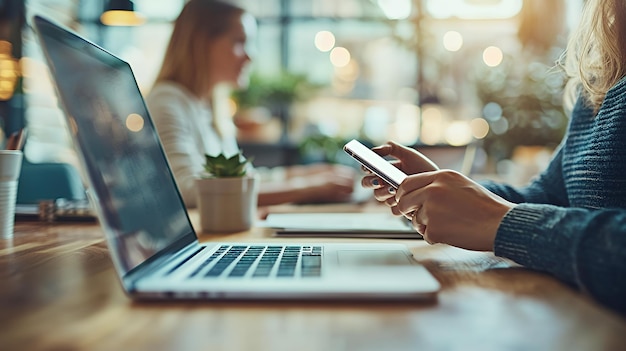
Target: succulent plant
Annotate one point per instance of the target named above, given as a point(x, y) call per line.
point(221, 166)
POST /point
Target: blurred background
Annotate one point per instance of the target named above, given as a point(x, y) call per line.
point(471, 82)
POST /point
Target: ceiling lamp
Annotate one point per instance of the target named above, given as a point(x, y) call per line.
point(121, 13)
point(8, 71)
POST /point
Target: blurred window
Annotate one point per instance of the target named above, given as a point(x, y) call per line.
point(417, 71)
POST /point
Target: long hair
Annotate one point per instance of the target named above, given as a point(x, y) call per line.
point(186, 58)
point(595, 58)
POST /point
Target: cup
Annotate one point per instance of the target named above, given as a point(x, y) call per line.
point(10, 166)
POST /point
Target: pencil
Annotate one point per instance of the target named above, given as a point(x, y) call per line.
point(16, 140)
point(21, 139)
point(11, 141)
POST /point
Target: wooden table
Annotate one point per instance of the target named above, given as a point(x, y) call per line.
point(59, 291)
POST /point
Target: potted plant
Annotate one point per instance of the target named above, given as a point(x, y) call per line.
point(263, 105)
point(227, 194)
point(274, 91)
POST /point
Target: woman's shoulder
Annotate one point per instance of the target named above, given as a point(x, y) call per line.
point(617, 93)
point(169, 97)
point(168, 91)
point(613, 104)
point(168, 101)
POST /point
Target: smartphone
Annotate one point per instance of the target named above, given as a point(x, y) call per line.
point(375, 163)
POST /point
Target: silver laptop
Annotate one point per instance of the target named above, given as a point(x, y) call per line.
point(150, 237)
point(376, 225)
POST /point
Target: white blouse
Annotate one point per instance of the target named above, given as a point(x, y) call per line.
point(187, 131)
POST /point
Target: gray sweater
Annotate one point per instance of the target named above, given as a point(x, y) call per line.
point(571, 219)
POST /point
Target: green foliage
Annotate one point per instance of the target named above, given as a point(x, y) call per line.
point(326, 146)
point(221, 166)
point(528, 95)
point(271, 91)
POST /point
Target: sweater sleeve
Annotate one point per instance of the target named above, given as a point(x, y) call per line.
point(176, 134)
point(546, 188)
point(584, 247)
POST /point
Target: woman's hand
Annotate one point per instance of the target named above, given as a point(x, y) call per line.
point(447, 207)
point(310, 184)
point(409, 160)
point(323, 182)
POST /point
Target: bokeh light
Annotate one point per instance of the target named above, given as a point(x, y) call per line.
point(492, 56)
point(134, 122)
point(432, 125)
point(452, 41)
point(480, 128)
point(324, 40)
point(458, 133)
point(340, 57)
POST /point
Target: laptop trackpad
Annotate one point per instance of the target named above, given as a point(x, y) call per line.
point(360, 258)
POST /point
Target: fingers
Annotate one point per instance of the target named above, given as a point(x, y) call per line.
point(382, 191)
point(395, 211)
point(411, 195)
point(416, 181)
point(391, 148)
point(384, 149)
point(419, 223)
point(408, 159)
point(371, 181)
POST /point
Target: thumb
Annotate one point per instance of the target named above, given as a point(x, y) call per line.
point(413, 161)
point(400, 151)
point(396, 150)
point(391, 148)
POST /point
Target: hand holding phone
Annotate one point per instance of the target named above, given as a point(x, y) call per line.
point(375, 163)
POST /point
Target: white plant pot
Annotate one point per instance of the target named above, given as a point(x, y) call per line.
point(227, 205)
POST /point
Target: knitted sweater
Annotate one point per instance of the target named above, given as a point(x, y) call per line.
point(570, 221)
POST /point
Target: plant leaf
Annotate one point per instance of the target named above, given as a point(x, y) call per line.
point(220, 166)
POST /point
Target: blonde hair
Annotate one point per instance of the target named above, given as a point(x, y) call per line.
point(197, 26)
point(595, 59)
point(186, 58)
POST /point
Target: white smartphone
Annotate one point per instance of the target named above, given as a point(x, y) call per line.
point(375, 163)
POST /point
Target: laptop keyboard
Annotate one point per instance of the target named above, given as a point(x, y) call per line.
point(240, 261)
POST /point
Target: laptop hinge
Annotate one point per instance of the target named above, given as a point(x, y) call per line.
point(157, 263)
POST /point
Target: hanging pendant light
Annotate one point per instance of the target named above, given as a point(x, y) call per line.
point(121, 13)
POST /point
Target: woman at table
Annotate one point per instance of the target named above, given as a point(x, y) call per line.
point(569, 221)
point(207, 49)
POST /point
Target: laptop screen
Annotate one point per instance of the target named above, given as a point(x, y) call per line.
point(138, 203)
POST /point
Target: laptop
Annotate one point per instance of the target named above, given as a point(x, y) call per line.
point(151, 240)
point(341, 225)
